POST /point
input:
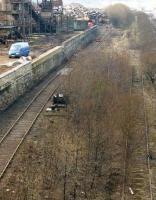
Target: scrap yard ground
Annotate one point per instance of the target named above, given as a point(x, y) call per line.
point(38, 44)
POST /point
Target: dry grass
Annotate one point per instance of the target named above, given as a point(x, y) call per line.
point(81, 156)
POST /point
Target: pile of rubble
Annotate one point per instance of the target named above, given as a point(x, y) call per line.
point(78, 11)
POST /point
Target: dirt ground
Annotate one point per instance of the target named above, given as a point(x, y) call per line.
point(5, 60)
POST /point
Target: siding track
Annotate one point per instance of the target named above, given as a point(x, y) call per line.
point(14, 137)
point(137, 163)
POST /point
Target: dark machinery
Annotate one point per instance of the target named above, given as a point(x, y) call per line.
point(58, 101)
point(9, 33)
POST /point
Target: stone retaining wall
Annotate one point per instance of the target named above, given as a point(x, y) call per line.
point(17, 81)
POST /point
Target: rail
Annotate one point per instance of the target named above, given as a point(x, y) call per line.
point(15, 136)
point(145, 149)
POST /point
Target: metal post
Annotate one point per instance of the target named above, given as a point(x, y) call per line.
point(51, 18)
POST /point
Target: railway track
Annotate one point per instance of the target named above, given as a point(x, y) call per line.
point(137, 182)
point(141, 171)
point(14, 137)
point(146, 131)
point(16, 134)
point(9, 116)
point(150, 106)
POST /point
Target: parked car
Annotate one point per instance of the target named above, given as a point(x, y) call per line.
point(19, 49)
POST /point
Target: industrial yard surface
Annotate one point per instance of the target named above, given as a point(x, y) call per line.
point(38, 45)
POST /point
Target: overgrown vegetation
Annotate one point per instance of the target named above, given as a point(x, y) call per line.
point(147, 45)
point(146, 31)
point(120, 15)
point(80, 155)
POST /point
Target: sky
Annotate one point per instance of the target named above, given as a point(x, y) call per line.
point(147, 4)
